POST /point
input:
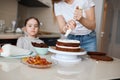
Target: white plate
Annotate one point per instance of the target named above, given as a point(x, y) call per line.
point(66, 53)
point(20, 56)
point(36, 66)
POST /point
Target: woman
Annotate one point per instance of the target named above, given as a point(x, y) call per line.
point(79, 16)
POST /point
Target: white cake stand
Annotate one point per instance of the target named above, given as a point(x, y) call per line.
point(66, 56)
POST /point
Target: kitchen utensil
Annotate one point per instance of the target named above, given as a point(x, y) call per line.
point(13, 25)
point(67, 32)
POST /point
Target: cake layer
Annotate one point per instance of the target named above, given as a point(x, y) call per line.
point(67, 47)
point(68, 41)
point(68, 50)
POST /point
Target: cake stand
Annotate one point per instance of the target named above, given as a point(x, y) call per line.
point(63, 56)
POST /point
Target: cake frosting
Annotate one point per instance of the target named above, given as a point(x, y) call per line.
point(68, 41)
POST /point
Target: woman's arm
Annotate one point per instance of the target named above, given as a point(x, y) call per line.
point(64, 26)
point(61, 23)
point(89, 22)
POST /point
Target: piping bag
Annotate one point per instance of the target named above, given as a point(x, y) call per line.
point(69, 30)
point(67, 33)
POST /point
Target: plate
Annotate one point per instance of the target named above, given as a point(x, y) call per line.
point(37, 66)
point(20, 56)
point(24, 61)
point(52, 49)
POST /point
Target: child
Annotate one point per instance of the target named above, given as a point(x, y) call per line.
point(31, 29)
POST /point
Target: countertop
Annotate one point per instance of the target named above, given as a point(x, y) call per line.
point(17, 35)
point(87, 69)
point(10, 35)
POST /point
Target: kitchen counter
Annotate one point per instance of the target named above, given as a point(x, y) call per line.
point(10, 35)
point(17, 35)
point(87, 69)
point(49, 38)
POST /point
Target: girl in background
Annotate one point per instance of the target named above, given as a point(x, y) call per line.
point(31, 29)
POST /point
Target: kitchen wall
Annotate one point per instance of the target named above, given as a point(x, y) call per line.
point(22, 15)
point(42, 13)
point(8, 11)
point(45, 15)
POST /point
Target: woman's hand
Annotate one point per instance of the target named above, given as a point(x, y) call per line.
point(71, 24)
point(77, 13)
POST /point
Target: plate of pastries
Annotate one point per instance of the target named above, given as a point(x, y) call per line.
point(36, 62)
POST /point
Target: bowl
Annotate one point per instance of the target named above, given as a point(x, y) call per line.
point(41, 51)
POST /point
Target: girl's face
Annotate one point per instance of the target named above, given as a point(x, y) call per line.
point(32, 28)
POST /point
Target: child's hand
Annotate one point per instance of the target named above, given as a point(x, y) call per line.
point(77, 13)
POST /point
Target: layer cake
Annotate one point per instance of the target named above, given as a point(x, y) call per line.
point(68, 45)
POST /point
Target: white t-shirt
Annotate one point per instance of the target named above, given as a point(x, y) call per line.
point(67, 11)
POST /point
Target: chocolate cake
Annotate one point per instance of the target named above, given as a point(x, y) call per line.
point(96, 53)
point(41, 45)
point(68, 45)
point(100, 56)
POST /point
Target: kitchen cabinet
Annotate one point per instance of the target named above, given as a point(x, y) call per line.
point(9, 38)
point(8, 41)
point(32, 3)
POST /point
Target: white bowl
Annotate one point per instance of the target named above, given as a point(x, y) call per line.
point(41, 51)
